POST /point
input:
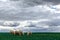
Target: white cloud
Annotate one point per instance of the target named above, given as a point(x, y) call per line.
point(4, 0)
point(57, 17)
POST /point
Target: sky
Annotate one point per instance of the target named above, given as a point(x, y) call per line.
point(30, 15)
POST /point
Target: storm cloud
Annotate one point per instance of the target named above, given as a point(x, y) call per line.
point(36, 15)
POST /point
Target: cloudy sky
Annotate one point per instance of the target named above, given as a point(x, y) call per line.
point(30, 15)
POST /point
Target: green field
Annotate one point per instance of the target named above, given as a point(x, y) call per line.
point(34, 36)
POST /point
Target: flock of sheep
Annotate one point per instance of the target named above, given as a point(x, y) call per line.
point(19, 32)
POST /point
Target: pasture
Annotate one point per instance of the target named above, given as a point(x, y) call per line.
point(34, 36)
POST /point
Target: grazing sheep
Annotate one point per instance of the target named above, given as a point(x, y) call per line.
point(29, 33)
point(17, 32)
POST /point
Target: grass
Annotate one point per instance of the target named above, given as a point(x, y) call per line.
point(34, 36)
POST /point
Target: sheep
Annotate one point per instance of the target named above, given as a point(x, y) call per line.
point(29, 33)
point(19, 32)
point(16, 32)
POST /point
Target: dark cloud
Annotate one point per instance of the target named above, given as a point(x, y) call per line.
point(53, 1)
point(23, 13)
point(15, 10)
point(37, 2)
point(29, 3)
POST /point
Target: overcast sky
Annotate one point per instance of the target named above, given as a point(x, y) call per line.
point(39, 15)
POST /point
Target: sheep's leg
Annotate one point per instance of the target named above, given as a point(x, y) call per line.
point(29, 33)
point(23, 33)
point(20, 33)
point(14, 33)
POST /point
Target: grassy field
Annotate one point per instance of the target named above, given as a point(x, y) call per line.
point(34, 36)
